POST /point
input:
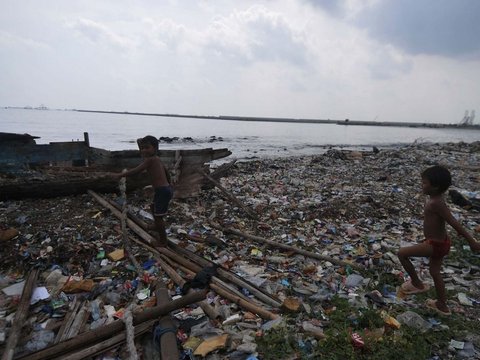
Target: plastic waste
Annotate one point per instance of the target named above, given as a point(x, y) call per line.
point(95, 310)
point(40, 340)
point(353, 280)
point(468, 351)
point(412, 319)
point(271, 324)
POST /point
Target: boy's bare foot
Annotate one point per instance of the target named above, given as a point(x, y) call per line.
point(409, 289)
point(438, 307)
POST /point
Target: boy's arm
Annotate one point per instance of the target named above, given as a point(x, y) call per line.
point(446, 214)
point(143, 166)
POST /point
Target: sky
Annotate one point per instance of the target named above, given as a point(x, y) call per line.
point(383, 60)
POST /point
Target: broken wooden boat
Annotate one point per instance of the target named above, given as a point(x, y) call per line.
point(29, 170)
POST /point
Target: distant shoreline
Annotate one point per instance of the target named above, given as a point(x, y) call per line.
point(345, 122)
point(294, 120)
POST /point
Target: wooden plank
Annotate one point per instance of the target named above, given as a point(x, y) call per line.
point(168, 340)
point(96, 335)
point(20, 315)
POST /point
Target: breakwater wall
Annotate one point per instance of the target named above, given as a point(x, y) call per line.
point(346, 122)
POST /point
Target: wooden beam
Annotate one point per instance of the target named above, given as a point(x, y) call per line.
point(287, 247)
point(230, 196)
point(20, 315)
point(92, 336)
point(168, 340)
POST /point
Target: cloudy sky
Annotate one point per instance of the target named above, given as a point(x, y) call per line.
point(386, 60)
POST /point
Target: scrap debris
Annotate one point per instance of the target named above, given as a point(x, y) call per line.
point(284, 258)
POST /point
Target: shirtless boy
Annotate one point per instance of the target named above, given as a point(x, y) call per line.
point(159, 179)
point(435, 181)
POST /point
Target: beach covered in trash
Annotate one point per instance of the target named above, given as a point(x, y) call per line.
point(289, 258)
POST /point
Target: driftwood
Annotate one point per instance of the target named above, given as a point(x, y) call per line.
point(177, 279)
point(227, 275)
point(217, 174)
point(222, 170)
point(79, 322)
point(266, 298)
point(241, 301)
point(147, 237)
point(287, 247)
point(195, 268)
point(168, 340)
point(216, 284)
point(105, 345)
point(91, 337)
point(226, 292)
point(229, 195)
point(68, 322)
point(20, 315)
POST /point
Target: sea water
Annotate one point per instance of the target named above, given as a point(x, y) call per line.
point(245, 139)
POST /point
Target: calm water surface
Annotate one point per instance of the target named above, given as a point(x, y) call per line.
point(244, 139)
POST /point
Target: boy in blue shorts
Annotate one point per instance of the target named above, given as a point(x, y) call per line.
point(160, 181)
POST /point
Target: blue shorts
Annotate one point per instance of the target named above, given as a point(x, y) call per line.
point(161, 199)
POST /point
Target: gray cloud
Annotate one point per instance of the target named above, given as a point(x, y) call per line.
point(100, 33)
point(432, 27)
point(333, 7)
point(257, 35)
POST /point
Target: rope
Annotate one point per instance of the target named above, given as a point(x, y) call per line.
point(126, 243)
point(128, 320)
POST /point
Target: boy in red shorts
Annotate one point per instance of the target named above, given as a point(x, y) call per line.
point(435, 181)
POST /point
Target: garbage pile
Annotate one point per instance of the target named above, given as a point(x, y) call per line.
point(290, 258)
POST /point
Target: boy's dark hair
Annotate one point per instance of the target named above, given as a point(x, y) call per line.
point(438, 176)
point(149, 139)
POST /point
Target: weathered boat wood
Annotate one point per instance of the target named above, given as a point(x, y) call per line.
point(87, 166)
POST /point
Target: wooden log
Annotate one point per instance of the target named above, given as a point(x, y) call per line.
point(67, 322)
point(186, 262)
point(103, 346)
point(190, 262)
point(20, 315)
point(230, 196)
point(79, 322)
point(177, 279)
point(247, 305)
point(146, 236)
point(99, 334)
point(196, 268)
point(168, 340)
point(131, 224)
point(235, 279)
point(182, 268)
point(222, 170)
point(243, 302)
point(287, 247)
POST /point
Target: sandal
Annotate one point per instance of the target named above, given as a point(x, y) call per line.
point(409, 289)
point(432, 305)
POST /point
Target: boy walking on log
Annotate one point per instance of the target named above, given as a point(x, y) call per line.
point(160, 181)
point(435, 181)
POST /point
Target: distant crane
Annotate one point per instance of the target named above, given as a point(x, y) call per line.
point(468, 118)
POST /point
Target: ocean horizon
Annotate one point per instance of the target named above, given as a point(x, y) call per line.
point(246, 140)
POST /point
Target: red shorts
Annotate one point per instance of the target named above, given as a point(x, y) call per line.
point(440, 248)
